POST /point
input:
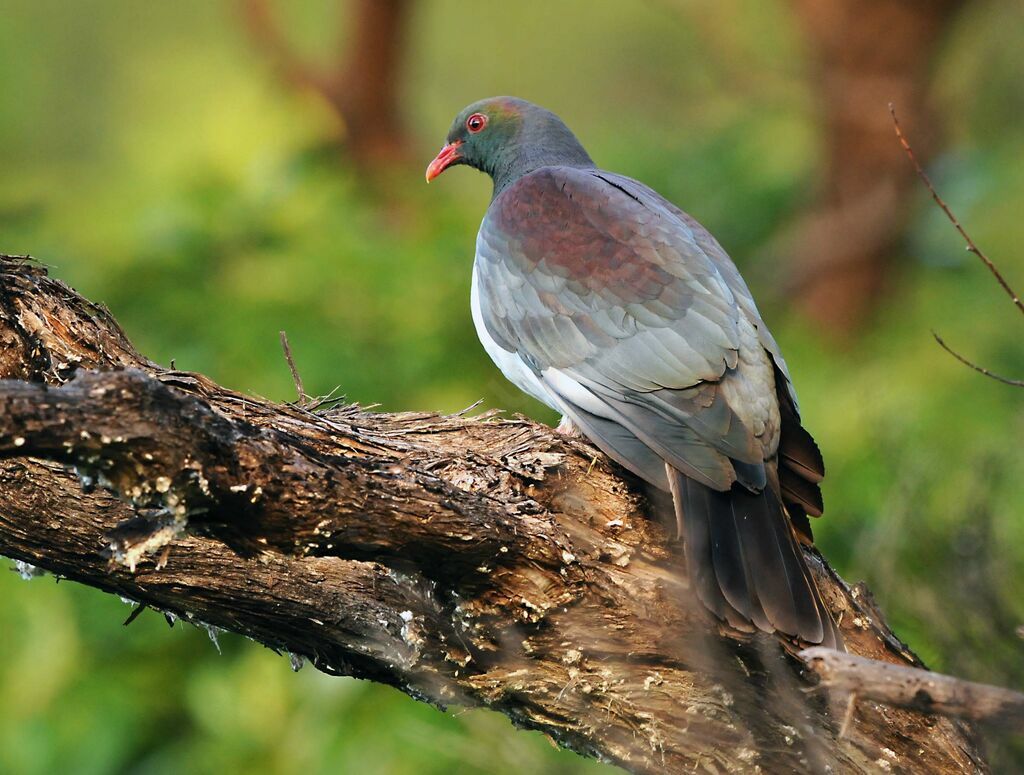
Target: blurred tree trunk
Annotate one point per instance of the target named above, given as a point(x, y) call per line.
point(866, 54)
point(370, 80)
point(361, 85)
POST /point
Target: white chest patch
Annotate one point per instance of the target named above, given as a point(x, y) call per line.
point(511, 365)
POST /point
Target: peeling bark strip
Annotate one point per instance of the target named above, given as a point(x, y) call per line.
point(471, 561)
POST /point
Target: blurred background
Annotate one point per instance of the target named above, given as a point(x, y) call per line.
point(216, 171)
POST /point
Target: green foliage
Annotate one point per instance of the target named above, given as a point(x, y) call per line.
point(152, 158)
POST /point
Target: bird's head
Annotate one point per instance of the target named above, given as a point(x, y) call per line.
point(507, 137)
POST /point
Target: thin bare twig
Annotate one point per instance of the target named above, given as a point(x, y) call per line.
point(303, 398)
point(976, 367)
point(329, 400)
point(971, 247)
point(952, 218)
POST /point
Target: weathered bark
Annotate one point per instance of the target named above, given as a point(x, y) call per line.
point(864, 55)
point(470, 561)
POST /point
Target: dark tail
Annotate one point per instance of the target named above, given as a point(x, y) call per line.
point(745, 564)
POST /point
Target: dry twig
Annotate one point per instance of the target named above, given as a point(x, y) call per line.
point(303, 398)
point(971, 247)
point(975, 366)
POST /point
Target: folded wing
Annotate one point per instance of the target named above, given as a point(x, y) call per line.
point(639, 329)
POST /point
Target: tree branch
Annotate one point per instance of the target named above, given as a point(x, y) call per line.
point(360, 84)
point(465, 560)
point(266, 33)
point(909, 687)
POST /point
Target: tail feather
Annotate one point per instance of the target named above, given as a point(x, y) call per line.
point(727, 558)
point(802, 492)
point(801, 467)
point(745, 563)
point(699, 552)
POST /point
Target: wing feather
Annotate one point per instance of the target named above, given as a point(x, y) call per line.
point(600, 285)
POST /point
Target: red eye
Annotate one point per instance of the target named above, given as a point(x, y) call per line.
point(476, 122)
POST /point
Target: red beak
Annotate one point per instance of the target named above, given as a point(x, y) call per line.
point(446, 158)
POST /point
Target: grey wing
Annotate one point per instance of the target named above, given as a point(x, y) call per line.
point(632, 328)
point(802, 466)
point(730, 275)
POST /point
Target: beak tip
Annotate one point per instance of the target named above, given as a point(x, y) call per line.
point(447, 156)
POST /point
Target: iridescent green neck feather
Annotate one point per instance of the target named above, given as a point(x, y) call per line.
point(519, 137)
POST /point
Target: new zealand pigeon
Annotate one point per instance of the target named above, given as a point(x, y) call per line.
point(598, 297)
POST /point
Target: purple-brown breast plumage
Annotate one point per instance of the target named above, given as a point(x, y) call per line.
point(603, 300)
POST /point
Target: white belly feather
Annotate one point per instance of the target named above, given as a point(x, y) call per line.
point(511, 365)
